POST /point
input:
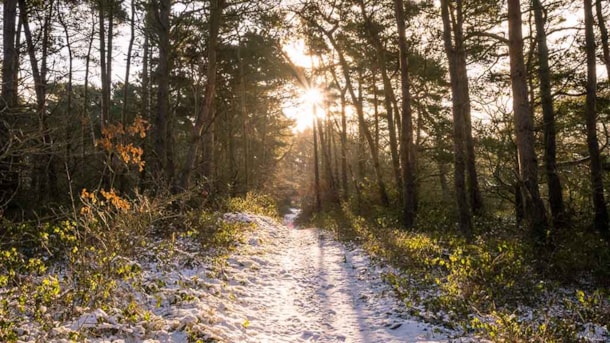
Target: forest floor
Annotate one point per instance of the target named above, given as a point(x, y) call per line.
point(280, 284)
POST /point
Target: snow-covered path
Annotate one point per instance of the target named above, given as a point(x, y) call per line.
point(300, 285)
point(282, 284)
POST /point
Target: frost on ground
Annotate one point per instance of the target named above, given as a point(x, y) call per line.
point(302, 286)
point(283, 284)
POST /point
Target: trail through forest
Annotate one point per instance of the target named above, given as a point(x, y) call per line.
point(307, 287)
point(281, 284)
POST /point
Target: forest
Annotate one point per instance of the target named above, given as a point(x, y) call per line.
point(463, 143)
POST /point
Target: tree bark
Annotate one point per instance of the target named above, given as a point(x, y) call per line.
point(47, 176)
point(8, 102)
point(146, 101)
point(85, 115)
point(318, 199)
point(474, 191)
point(406, 141)
point(548, 115)
point(9, 53)
point(206, 116)
point(535, 214)
point(343, 140)
point(389, 96)
point(244, 117)
point(603, 30)
point(344, 183)
point(68, 90)
point(464, 214)
point(105, 106)
point(162, 10)
point(331, 190)
point(132, 37)
point(109, 50)
point(597, 185)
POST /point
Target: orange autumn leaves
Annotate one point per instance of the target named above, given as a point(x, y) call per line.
point(115, 140)
point(109, 198)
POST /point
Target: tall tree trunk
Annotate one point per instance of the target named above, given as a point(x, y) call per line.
point(343, 140)
point(244, 117)
point(161, 118)
point(548, 115)
point(344, 183)
point(47, 172)
point(109, 50)
point(406, 141)
point(162, 10)
point(389, 96)
point(603, 30)
point(85, 115)
point(8, 101)
point(104, 105)
point(375, 107)
point(535, 214)
point(476, 200)
point(69, 91)
point(145, 106)
point(326, 161)
point(442, 176)
point(47, 185)
point(145, 78)
point(464, 214)
point(316, 170)
point(597, 185)
point(9, 54)
point(132, 36)
point(48, 141)
point(334, 153)
point(205, 118)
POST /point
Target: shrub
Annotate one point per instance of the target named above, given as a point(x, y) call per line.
point(253, 202)
point(490, 288)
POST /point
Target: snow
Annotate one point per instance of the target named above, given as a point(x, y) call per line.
point(594, 333)
point(282, 284)
point(308, 287)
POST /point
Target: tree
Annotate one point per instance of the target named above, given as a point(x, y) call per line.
point(316, 168)
point(548, 114)
point(362, 124)
point(406, 142)
point(9, 54)
point(597, 185)
point(459, 120)
point(162, 9)
point(456, 54)
point(132, 36)
point(105, 78)
point(46, 172)
point(389, 97)
point(205, 117)
point(603, 30)
point(535, 213)
point(8, 101)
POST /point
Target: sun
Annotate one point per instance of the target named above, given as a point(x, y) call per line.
point(304, 108)
point(308, 102)
point(312, 97)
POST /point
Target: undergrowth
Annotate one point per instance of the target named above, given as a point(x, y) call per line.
point(490, 287)
point(252, 202)
point(90, 257)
